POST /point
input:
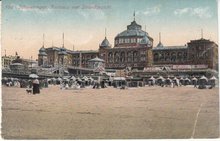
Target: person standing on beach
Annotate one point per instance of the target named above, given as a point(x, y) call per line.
point(36, 87)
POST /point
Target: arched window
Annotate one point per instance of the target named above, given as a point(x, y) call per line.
point(110, 57)
point(116, 57)
point(130, 56)
point(122, 57)
point(135, 56)
point(161, 56)
point(156, 57)
point(167, 56)
point(173, 56)
point(179, 56)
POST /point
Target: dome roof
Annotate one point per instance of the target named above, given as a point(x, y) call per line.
point(42, 49)
point(133, 29)
point(159, 44)
point(16, 64)
point(96, 60)
point(62, 51)
point(105, 43)
point(145, 40)
point(17, 60)
point(128, 33)
point(43, 54)
point(134, 26)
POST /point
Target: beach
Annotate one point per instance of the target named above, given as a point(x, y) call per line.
point(110, 113)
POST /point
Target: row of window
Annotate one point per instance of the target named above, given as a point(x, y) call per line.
point(127, 40)
point(128, 59)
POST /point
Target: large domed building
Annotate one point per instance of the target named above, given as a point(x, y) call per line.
point(132, 48)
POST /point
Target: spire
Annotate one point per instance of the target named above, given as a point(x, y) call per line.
point(159, 37)
point(160, 44)
point(52, 43)
point(43, 40)
point(5, 52)
point(63, 40)
point(201, 33)
point(134, 15)
point(105, 32)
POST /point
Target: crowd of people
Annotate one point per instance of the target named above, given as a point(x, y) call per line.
point(200, 82)
point(33, 85)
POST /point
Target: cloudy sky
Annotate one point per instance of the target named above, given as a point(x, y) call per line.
point(84, 21)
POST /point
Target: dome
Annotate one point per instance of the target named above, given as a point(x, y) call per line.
point(134, 26)
point(42, 49)
point(105, 43)
point(159, 44)
point(133, 29)
point(62, 51)
point(43, 54)
point(145, 40)
point(96, 60)
point(17, 60)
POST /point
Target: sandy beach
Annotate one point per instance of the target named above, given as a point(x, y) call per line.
point(135, 113)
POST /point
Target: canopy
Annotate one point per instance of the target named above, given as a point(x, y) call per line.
point(187, 79)
point(16, 79)
point(33, 76)
point(174, 78)
point(78, 79)
point(59, 79)
point(85, 78)
point(90, 78)
point(168, 79)
point(160, 77)
point(152, 78)
point(119, 78)
point(194, 78)
point(53, 78)
point(5, 78)
point(203, 78)
point(73, 78)
point(213, 78)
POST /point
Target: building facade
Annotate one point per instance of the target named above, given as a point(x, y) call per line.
point(7, 61)
point(133, 48)
point(196, 52)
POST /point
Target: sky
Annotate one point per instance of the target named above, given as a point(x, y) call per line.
point(83, 22)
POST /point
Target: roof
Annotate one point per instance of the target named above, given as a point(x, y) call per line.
point(159, 45)
point(132, 32)
point(96, 60)
point(169, 47)
point(42, 54)
point(85, 51)
point(105, 43)
point(17, 64)
point(42, 49)
point(145, 40)
point(134, 26)
point(62, 51)
point(133, 29)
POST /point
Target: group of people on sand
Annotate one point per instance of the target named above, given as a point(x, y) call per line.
point(200, 82)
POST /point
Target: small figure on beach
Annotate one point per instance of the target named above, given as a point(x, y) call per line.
point(36, 87)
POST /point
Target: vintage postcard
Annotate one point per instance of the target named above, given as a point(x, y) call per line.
point(109, 69)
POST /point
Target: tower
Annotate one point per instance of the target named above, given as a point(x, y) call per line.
point(62, 54)
point(42, 56)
